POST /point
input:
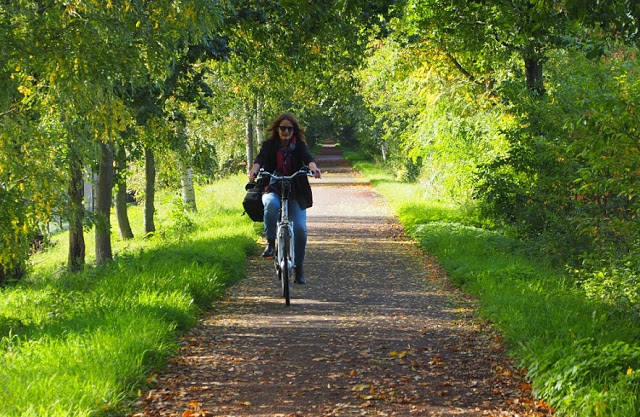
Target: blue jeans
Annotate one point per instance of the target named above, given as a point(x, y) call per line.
point(297, 216)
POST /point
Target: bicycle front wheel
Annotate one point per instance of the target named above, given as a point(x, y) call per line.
point(285, 270)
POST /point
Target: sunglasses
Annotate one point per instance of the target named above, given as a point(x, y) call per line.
point(285, 128)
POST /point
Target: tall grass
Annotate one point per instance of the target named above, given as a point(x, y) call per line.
point(83, 344)
point(583, 355)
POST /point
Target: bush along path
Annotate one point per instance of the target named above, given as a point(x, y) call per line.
point(375, 331)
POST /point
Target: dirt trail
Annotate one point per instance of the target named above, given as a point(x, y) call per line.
point(374, 332)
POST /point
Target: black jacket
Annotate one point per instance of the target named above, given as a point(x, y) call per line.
point(301, 190)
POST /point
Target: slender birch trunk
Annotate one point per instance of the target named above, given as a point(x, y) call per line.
point(188, 190)
point(260, 119)
point(249, 129)
point(149, 192)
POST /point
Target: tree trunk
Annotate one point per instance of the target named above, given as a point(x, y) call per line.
point(249, 128)
point(77, 247)
point(533, 68)
point(124, 225)
point(188, 191)
point(149, 191)
point(260, 119)
point(103, 205)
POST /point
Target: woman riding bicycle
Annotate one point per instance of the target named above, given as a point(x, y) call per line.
point(284, 153)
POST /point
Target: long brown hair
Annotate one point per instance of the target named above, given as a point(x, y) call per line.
point(297, 131)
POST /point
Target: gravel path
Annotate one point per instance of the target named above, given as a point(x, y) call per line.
point(376, 331)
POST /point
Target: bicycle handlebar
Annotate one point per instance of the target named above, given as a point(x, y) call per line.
point(305, 170)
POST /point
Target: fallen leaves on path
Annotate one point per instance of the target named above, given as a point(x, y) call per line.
point(377, 331)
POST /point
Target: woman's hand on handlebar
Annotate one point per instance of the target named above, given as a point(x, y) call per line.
point(253, 172)
point(314, 170)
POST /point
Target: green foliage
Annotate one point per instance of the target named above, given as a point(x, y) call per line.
point(428, 124)
point(180, 221)
point(15, 233)
point(82, 344)
point(559, 168)
point(64, 65)
point(570, 176)
point(526, 187)
point(612, 278)
point(598, 380)
point(452, 95)
point(606, 143)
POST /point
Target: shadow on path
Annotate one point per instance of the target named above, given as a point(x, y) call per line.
point(374, 332)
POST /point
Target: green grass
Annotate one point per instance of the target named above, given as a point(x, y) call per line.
point(84, 344)
point(583, 355)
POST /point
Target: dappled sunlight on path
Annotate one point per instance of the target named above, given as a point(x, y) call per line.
point(374, 332)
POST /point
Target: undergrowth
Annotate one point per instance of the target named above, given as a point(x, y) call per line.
point(582, 354)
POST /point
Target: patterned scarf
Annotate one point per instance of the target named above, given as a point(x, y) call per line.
point(283, 164)
point(283, 157)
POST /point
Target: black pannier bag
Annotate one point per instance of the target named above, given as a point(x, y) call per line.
point(252, 202)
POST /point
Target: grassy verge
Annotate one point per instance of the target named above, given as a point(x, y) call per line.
point(582, 355)
point(84, 344)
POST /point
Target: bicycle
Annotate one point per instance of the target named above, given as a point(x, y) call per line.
point(284, 247)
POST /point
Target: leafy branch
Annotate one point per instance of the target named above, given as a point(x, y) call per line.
point(487, 85)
